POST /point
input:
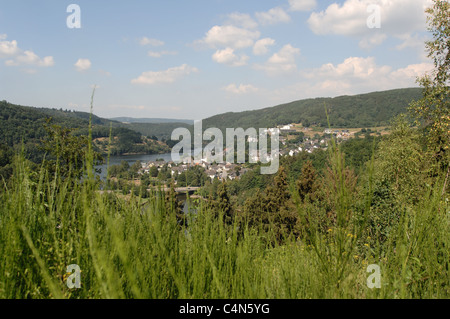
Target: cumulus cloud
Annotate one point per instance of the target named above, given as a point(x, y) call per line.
point(281, 62)
point(241, 89)
point(398, 17)
point(412, 71)
point(153, 42)
point(18, 57)
point(261, 46)
point(230, 36)
point(350, 18)
point(372, 41)
point(228, 57)
point(273, 16)
point(358, 74)
point(30, 58)
point(241, 20)
point(158, 54)
point(83, 65)
point(355, 67)
point(354, 75)
point(7, 48)
point(167, 76)
point(411, 41)
point(302, 5)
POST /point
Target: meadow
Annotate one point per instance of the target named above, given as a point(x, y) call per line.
point(137, 248)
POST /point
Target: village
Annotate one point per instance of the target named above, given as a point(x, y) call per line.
point(293, 140)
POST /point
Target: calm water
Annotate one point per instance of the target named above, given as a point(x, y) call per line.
point(131, 159)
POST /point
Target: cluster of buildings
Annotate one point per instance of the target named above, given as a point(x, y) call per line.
point(221, 171)
point(339, 134)
point(233, 171)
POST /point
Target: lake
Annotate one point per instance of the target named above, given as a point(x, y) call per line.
point(131, 159)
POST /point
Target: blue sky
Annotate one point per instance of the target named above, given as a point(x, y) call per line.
point(194, 59)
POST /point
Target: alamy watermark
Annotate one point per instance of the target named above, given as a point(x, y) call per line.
point(374, 279)
point(214, 151)
point(374, 19)
point(74, 19)
point(74, 279)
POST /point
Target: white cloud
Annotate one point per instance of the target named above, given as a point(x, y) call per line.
point(228, 57)
point(83, 65)
point(357, 75)
point(241, 20)
point(229, 36)
point(168, 76)
point(30, 58)
point(241, 89)
point(355, 67)
point(302, 5)
point(153, 42)
point(398, 17)
point(158, 54)
point(372, 41)
point(281, 62)
point(9, 49)
point(261, 46)
point(350, 18)
point(412, 71)
point(273, 16)
point(411, 41)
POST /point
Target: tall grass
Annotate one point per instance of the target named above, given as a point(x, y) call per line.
point(135, 248)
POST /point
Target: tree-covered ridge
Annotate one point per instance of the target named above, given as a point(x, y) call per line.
point(364, 110)
point(151, 120)
point(26, 125)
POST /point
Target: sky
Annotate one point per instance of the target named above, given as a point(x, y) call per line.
point(193, 59)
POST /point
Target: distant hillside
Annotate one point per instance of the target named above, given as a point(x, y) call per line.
point(150, 120)
point(364, 110)
point(162, 131)
point(25, 124)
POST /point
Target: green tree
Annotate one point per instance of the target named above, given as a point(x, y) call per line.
point(222, 205)
point(67, 152)
point(274, 209)
point(433, 110)
point(153, 171)
point(174, 206)
point(134, 169)
point(6, 156)
point(400, 161)
point(307, 184)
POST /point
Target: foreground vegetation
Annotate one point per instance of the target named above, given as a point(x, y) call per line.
point(137, 249)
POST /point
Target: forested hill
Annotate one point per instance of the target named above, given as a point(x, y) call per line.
point(364, 110)
point(151, 120)
point(24, 124)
